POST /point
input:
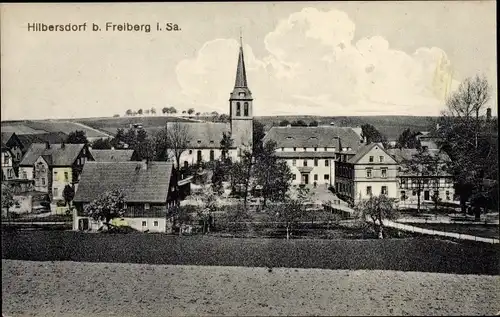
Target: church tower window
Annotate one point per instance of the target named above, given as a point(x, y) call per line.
point(238, 109)
point(245, 109)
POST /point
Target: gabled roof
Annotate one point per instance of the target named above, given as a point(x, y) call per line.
point(322, 136)
point(405, 154)
point(112, 155)
point(204, 135)
point(364, 150)
point(6, 137)
point(62, 155)
point(51, 137)
point(140, 182)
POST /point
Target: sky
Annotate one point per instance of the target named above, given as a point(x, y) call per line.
point(315, 58)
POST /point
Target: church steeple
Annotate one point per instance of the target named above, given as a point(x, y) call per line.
point(241, 74)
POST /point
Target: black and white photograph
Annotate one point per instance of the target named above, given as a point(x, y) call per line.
point(249, 159)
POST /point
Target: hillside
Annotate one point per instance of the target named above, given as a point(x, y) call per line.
point(391, 126)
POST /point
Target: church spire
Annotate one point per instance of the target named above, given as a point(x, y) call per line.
point(241, 74)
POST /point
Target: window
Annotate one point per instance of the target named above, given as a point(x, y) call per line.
point(245, 109)
point(305, 149)
point(146, 206)
point(66, 176)
point(294, 149)
point(18, 155)
point(403, 181)
point(305, 162)
point(326, 163)
point(368, 173)
point(43, 181)
point(25, 175)
point(384, 190)
point(144, 224)
point(294, 177)
point(315, 177)
point(315, 149)
point(190, 151)
point(238, 109)
point(326, 177)
point(381, 159)
point(294, 162)
point(198, 156)
point(56, 192)
point(369, 190)
point(155, 223)
point(186, 164)
point(6, 158)
point(326, 149)
point(447, 195)
point(199, 141)
point(371, 159)
point(282, 149)
point(403, 195)
point(242, 94)
point(383, 172)
point(212, 155)
point(315, 162)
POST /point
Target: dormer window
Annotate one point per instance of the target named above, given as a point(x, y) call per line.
point(242, 94)
point(211, 142)
point(199, 141)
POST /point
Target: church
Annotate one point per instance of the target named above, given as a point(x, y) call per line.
point(205, 137)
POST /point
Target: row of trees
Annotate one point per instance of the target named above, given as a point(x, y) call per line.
point(164, 110)
point(298, 123)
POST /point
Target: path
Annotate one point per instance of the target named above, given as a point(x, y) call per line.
point(93, 129)
point(455, 235)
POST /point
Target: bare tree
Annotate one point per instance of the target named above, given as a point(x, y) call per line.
point(377, 208)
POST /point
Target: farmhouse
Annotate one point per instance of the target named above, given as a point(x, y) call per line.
point(311, 152)
point(53, 166)
point(7, 164)
point(148, 189)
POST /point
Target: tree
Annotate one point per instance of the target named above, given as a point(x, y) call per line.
point(173, 110)
point(241, 175)
point(7, 198)
point(293, 209)
point(116, 115)
point(153, 110)
point(467, 138)
point(102, 144)
point(130, 138)
point(377, 208)
point(184, 111)
point(190, 111)
point(139, 112)
point(372, 135)
point(182, 215)
point(218, 177)
point(106, 207)
point(272, 174)
point(284, 123)
point(223, 117)
point(77, 137)
point(129, 112)
point(165, 110)
point(68, 194)
point(146, 111)
point(143, 146)
point(257, 136)
point(408, 140)
point(313, 123)
point(119, 138)
point(299, 123)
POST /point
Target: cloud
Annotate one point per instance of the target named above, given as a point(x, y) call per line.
point(313, 66)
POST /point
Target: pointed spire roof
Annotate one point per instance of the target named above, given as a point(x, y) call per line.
point(241, 74)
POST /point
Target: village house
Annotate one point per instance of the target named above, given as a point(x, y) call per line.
point(7, 164)
point(53, 166)
point(11, 141)
point(372, 171)
point(148, 187)
point(439, 184)
point(311, 152)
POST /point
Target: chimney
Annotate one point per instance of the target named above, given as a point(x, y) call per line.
point(47, 145)
point(488, 114)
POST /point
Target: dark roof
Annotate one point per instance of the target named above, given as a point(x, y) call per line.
point(322, 136)
point(405, 154)
point(286, 155)
point(61, 156)
point(112, 155)
point(140, 184)
point(6, 137)
point(51, 137)
point(241, 74)
point(204, 135)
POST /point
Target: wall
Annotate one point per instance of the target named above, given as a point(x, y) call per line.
point(360, 189)
point(307, 149)
point(42, 171)
point(321, 170)
point(411, 193)
point(136, 223)
point(28, 170)
point(25, 204)
point(191, 155)
point(59, 181)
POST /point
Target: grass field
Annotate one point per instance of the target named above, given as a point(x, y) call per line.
point(416, 254)
point(103, 289)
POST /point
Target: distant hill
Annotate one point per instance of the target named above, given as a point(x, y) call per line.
point(390, 126)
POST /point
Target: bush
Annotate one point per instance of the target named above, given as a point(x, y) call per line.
point(61, 203)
